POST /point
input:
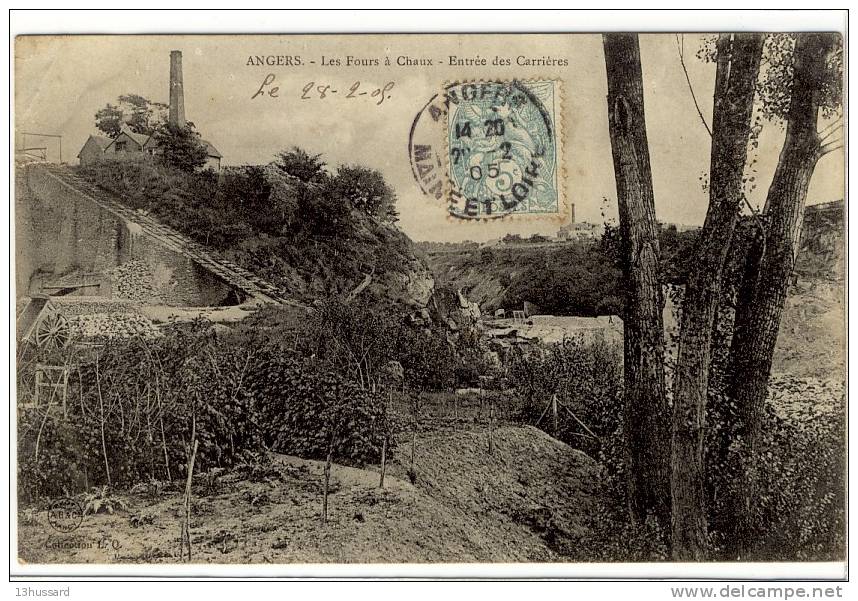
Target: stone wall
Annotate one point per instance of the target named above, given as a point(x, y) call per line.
point(63, 237)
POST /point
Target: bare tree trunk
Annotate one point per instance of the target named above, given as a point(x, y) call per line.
point(767, 275)
point(645, 404)
point(736, 76)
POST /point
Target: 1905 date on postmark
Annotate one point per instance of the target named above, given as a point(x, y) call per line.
point(491, 149)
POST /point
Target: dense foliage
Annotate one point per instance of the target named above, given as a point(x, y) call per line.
point(310, 233)
point(140, 114)
point(310, 409)
point(180, 147)
point(586, 378)
point(361, 339)
point(575, 277)
point(137, 405)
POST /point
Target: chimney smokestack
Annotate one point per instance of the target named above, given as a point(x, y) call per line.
point(177, 91)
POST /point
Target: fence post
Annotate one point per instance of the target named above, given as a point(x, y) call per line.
point(383, 461)
point(186, 527)
point(554, 413)
point(491, 420)
point(327, 475)
point(65, 392)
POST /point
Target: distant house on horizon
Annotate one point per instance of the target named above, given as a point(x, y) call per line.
point(130, 142)
point(577, 230)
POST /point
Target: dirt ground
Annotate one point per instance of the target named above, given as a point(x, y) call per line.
point(812, 336)
point(521, 503)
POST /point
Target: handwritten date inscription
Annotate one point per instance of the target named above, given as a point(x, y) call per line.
point(313, 90)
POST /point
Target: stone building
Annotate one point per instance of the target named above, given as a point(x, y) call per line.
point(93, 149)
point(129, 142)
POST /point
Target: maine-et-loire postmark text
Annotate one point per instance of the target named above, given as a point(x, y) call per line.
point(490, 148)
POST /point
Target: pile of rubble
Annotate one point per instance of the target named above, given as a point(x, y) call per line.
point(134, 280)
point(113, 325)
point(86, 305)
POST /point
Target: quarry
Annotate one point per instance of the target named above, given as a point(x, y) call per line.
point(254, 363)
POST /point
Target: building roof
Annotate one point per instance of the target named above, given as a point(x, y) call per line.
point(146, 141)
point(139, 139)
point(100, 141)
point(211, 150)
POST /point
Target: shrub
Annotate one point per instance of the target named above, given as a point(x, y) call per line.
point(427, 359)
point(180, 147)
point(300, 164)
point(138, 405)
point(587, 379)
point(305, 409)
point(365, 190)
point(798, 476)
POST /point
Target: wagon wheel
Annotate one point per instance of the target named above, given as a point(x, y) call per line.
point(52, 332)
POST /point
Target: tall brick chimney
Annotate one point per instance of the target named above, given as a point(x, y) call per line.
point(177, 91)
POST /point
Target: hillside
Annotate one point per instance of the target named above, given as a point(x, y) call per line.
point(312, 238)
point(812, 340)
point(466, 506)
point(562, 278)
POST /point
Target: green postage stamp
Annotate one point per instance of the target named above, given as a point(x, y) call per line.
point(502, 148)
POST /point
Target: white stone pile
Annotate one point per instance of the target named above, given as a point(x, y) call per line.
point(133, 280)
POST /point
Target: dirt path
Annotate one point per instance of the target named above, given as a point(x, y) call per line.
point(523, 503)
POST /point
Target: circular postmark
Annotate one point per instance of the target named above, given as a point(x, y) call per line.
point(65, 515)
point(489, 148)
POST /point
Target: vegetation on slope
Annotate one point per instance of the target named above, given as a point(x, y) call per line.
point(311, 233)
point(576, 277)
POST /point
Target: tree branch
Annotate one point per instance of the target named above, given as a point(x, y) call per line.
point(830, 147)
point(680, 51)
point(831, 128)
point(827, 138)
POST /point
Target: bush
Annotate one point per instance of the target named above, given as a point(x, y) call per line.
point(137, 406)
point(365, 190)
point(306, 409)
point(798, 474)
point(587, 379)
point(180, 147)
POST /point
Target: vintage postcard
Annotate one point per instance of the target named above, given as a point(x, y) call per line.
point(559, 298)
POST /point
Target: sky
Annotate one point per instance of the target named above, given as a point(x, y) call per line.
point(61, 81)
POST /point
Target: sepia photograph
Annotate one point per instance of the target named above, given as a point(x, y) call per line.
point(429, 298)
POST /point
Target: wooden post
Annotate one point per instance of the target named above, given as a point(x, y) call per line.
point(327, 479)
point(38, 385)
point(383, 461)
point(186, 527)
point(491, 419)
point(413, 441)
point(65, 392)
point(554, 413)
